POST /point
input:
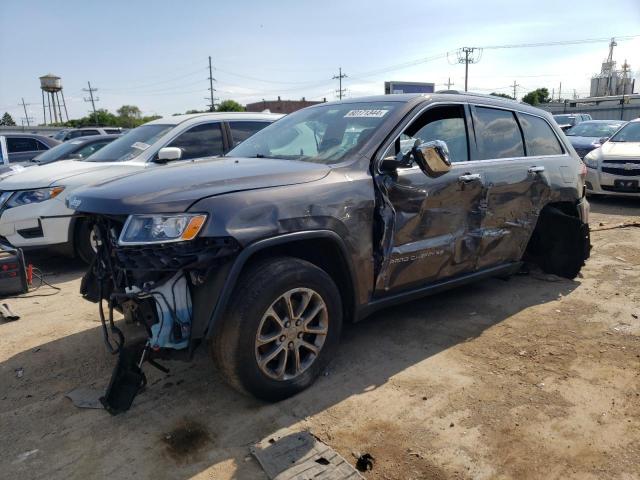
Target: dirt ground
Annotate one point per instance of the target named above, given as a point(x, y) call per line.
point(534, 377)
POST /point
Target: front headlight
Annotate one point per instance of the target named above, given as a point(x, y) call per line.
point(145, 229)
point(591, 159)
point(25, 197)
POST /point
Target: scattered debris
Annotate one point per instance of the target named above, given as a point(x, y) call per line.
point(85, 397)
point(23, 456)
point(19, 372)
point(300, 455)
point(621, 225)
point(634, 315)
point(7, 314)
point(365, 462)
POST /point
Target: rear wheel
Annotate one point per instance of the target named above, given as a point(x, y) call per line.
point(85, 241)
point(280, 330)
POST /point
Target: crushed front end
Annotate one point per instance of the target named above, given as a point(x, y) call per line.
point(169, 288)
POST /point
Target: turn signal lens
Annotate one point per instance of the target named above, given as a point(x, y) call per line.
point(193, 228)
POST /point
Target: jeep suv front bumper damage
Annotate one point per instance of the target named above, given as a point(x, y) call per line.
point(170, 290)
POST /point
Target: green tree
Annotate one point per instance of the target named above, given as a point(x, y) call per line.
point(129, 116)
point(229, 106)
point(7, 120)
point(102, 118)
point(537, 96)
point(503, 95)
point(194, 111)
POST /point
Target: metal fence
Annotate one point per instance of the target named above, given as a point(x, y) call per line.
point(607, 110)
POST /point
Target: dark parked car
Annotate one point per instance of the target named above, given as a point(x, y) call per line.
point(591, 134)
point(326, 216)
point(566, 121)
point(77, 149)
point(22, 147)
point(70, 133)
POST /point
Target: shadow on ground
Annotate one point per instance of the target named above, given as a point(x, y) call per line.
point(619, 206)
point(67, 442)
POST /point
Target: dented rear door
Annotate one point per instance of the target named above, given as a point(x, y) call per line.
point(516, 185)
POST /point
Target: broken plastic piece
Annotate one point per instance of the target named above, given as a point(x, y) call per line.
point(365, 462)
point(126, 381)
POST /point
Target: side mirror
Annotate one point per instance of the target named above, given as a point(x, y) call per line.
point(432, 157)
point(168, 154)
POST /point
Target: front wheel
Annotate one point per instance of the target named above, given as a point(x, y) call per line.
point(281, 329)
point(86, 243)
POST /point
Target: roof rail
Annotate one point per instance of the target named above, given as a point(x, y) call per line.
point(474, 94)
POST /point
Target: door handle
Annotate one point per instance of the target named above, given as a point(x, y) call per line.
point(535, 169)
point(469, 177)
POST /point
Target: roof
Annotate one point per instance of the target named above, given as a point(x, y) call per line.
point(177, 119)
point(442, 96)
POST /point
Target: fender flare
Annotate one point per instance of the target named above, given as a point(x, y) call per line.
point(247, 252)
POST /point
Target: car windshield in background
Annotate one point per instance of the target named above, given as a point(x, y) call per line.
point(130, 145)
point(595, 129)
point(60, 135)
point(629, 133)
point(57, 152)
point(564, 119)
point(323, 134)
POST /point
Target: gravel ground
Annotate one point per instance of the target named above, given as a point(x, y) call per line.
point(534, 377)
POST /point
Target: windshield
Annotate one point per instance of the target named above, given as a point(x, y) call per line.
point(57, 152)
point(130, 145)
point(595, 129)
point(323, 134)
point(629, 133)
point(60, 135)
point(565, 119)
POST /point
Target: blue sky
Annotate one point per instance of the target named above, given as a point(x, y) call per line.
point(154, 53)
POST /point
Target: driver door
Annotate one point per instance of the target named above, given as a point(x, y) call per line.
point(431, 224)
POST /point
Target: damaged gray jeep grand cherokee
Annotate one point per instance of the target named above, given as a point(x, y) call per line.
point(328, 215)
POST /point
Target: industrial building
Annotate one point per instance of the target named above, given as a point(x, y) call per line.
point(281, 106)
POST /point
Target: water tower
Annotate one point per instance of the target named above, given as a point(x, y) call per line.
point(52, 85)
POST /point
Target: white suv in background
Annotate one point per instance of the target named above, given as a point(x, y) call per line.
point(32, 202)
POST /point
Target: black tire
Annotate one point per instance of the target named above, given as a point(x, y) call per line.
point(234, 345)
point(82, 241)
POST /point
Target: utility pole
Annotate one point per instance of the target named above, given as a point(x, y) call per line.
point(467, 55)
point(449, 83)
point(339, 77)
point(560, 93)
point(514, 89)
point(212, 105)
point(91, 99)
point(26, 115)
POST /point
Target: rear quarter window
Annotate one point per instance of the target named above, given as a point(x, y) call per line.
point(21, 144)
point(538, 136)
point(497, 134)
point(240, 131)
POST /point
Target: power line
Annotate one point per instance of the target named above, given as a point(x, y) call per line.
point(339, 77)
point(558, 43)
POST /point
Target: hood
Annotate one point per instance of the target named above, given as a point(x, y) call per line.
point(174, 188)
point(618, 150)
point(57, 173)
point(582, 142)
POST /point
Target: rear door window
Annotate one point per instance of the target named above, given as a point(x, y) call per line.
point(21, 144)
point(497, 134)
point(538, 136)
point(200, 141)
point(86, 133)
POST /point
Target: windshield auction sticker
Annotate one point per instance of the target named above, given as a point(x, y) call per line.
point(140, 146)
point(366, 113)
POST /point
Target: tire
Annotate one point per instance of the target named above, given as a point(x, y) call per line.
point(263, 289)
point(82, 241)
